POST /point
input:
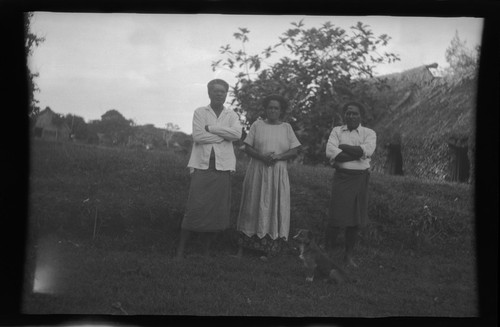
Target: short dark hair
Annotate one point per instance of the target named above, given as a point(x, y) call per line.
point(218, 81)
point(276, 97)
point(356, 104)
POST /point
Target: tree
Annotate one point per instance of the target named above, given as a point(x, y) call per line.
point(77, 125)
point(463, 61)
point(324, 67)
point(115, 126)
point(148, 134)
point(170, 129)
point(31, 41)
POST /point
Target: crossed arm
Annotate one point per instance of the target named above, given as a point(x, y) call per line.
point(228, 133)
point(349, 153)
point(206, 134)
point(200, 135)
point(343, 153)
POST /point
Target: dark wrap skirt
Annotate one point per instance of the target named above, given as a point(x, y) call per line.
point(349, 201)
point(209, 201)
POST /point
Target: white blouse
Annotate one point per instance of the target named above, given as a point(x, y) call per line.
point(223, 131)
point(361, 136)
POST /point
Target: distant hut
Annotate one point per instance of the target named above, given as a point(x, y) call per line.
point(426, 127)
point(51, 126)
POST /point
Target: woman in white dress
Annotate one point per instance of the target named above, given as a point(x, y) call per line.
point(264, 217)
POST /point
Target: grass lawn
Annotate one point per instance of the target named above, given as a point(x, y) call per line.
point(91, 280)
point(104, 224)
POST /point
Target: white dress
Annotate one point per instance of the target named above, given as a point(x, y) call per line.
point(265, 199)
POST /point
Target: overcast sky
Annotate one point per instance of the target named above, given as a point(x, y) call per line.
point(154, 68)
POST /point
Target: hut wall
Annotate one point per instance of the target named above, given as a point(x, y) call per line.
point(378, 158)
point(385, 138)
point(46, 129)
point(430, 160)
point(426, 159)
point(472, 158)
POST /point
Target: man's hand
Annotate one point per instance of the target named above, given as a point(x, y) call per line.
point(345, 157)
point(334, 163)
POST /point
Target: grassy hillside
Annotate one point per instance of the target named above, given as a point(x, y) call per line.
point(109, 219)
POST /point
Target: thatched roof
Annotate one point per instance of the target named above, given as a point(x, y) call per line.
point(426, 108)
point(419, 75)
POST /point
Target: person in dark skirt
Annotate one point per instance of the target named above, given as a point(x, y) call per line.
point(349, 149)
point(215, 128)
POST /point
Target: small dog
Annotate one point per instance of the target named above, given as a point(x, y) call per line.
point(316, 260)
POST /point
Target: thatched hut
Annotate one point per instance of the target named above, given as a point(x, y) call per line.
point(51, 126)
point(426, 127)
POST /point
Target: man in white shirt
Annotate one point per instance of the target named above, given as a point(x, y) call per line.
point(215, 128)
point(349, 149)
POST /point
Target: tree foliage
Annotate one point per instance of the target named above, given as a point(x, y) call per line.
point(170, 129)
point(146, 135)
point(77, 125)
point(323, 68)
point(31, 41)
point(463, 61)
point(114, 126)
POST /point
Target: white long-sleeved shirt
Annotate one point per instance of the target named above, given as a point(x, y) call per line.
point(223, 131)
point(361, 136)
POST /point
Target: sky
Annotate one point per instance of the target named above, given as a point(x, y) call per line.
point(153, 68)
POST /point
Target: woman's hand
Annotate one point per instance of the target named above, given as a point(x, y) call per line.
point(276, 157)
point(290, 154)
point(268, 158)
